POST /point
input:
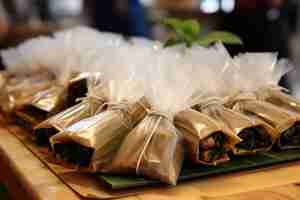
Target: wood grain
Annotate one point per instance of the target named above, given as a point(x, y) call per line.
point(25, 175)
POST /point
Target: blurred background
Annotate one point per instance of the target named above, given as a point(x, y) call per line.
point(264, 25)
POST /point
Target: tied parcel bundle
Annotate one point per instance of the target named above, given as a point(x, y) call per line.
point(71, 82)
point(248, 101)
point(86, 108)
point(82, 47)
point(92, 142)
point(19, 91)
point(25, 74)
point(154, 148)
point(94, 50)
point(77, 48)
point(234, 129)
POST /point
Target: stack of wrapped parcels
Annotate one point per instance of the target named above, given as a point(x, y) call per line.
point(147, 109)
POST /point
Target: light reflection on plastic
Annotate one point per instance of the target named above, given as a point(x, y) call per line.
point(209, 6)
point(148, 3)
point(228, 5)
point(68, 7)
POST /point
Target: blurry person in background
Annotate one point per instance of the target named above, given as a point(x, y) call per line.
point(120, 16)
point(4, 21)
point(4, 26)
point(264, 26)
point(20, 11)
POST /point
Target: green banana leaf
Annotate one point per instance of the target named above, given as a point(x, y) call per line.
point(191, 172)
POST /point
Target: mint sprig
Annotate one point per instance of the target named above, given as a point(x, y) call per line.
point(188, 32)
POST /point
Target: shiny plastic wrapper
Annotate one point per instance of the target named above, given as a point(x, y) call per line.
point(153, 149)
point(18, 92)
point(87, 108)
point(102, 134)
point(279, 97)
point(201, 133)
point(283, 121)
point(212, 77)
point(57, 97)
point(255, 134)
point(266, 72)
point(260, 73)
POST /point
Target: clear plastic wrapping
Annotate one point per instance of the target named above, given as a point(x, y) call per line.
point(78, 48)
point(259, 75)
point(86, 108)
point(28, 58)
point(81, 49)
point(102, 133)
point(16, 95)
point(267, 84)
point(211, 76)
point(154, 147)
point(25, 74)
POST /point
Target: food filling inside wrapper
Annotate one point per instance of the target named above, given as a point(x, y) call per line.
point(291, 137)
point(254, 138)
point(77, 88)
point(260, 96)
point(123, 109)
point(74, 153)
point(255, 134)
point(58, 122)
point(282, 121)
point(213, 149)
point(207, 140)
point(100, 135)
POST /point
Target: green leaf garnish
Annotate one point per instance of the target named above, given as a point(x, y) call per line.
point(188, 32)
point(191, 27)
point(171, 42)
point(219, 36)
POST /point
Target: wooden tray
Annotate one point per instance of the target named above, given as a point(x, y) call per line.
point(212, 187)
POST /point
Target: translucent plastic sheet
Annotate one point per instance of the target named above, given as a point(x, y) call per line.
point(210, 74)
point(154, 148)
point(101, 134)
point(260, 96)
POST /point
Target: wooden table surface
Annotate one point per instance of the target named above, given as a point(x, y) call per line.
point(27, 178)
